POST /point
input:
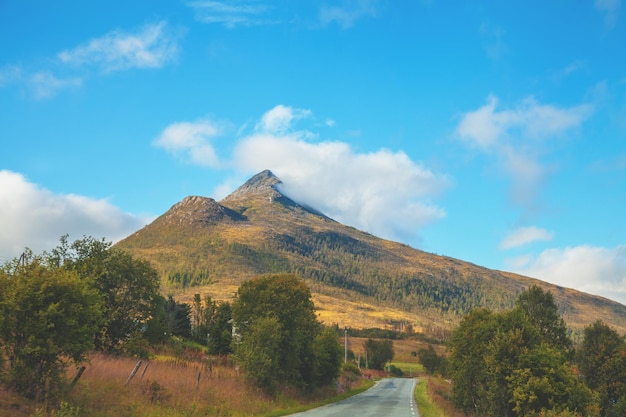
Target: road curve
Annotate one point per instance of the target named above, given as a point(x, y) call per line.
point(392, 397)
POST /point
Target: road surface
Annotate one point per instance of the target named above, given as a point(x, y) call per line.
point(392, 397)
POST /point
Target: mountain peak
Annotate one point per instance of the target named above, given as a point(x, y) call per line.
point(199, 210)
point(261, 185)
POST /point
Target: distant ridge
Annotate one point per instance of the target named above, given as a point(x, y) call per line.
point(357, 279)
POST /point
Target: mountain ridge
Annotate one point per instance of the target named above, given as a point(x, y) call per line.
point(257, 230)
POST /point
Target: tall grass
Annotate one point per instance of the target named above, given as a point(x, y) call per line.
point(432, 395)
point(168, 387)
point(425, 404)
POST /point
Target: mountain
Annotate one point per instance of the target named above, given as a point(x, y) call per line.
point(357, 279)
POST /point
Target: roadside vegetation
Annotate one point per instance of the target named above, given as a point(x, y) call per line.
point(86, 332)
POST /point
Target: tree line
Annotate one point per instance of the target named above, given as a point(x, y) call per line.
point(521, 362)
point(58, 306)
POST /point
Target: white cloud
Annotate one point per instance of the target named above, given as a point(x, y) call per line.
point(191, 139)
point(382, 192)
point(152, 46)
point(231, 13)
point(595, 270)
point(487, 128)
point(517, 136)
point(347, 14)
point(46, 85)
point(610, 9)
point(278, 120)
point(34, 217)
point(524, 236)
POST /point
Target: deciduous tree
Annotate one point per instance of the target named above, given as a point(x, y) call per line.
point(379, 352)
point(259, 353)
point(49, 319)
point(602, 359)
point(515, 363)
point(286, 299)
point(129, 287)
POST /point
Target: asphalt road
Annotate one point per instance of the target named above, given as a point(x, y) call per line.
point(391, 397)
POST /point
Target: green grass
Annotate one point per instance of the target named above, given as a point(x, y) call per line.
point(409, 367)
point(425, 405)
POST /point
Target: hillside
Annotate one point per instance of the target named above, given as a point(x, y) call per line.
point(357, 279)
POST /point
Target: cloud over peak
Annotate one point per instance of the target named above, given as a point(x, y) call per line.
point(383, 192)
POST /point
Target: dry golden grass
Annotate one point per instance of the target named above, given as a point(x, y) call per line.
point(166, 388)
point(341, 308)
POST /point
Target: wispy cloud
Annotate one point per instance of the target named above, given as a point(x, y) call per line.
point(610, 9)
point(232, 13)
point(517, 136)
point(493, 41)
point(192, 140)
point(10, 74)
point(31, 216)
point(152, 46)
point(347, 14)
point(42, 85)
point(46, 85)
point(596, 270)
point(524, 236)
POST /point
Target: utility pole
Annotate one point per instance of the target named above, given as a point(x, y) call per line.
point(345, 342)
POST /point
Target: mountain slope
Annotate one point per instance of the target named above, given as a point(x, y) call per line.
point(357, 279)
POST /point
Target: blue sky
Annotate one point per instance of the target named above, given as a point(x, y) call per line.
point(493, 132)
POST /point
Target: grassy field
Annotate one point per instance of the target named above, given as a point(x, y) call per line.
point(190, 384)
point(167, 386)
point(342, 308)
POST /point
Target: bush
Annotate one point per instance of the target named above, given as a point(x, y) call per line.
point(395, 371)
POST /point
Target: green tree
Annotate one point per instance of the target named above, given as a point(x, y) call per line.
point(544, 381)
point(328, 354)
point(259, 353)
point(198, 328)
point(602, 361)
point(287, 299)
point(49, 318)
point(129, 287)
point(155, 330)
point(467, 361)
point(378, 352)
point(431, 361)
point(515, 363)
point(541, 310)
point(177, 318)
point(220, 330)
